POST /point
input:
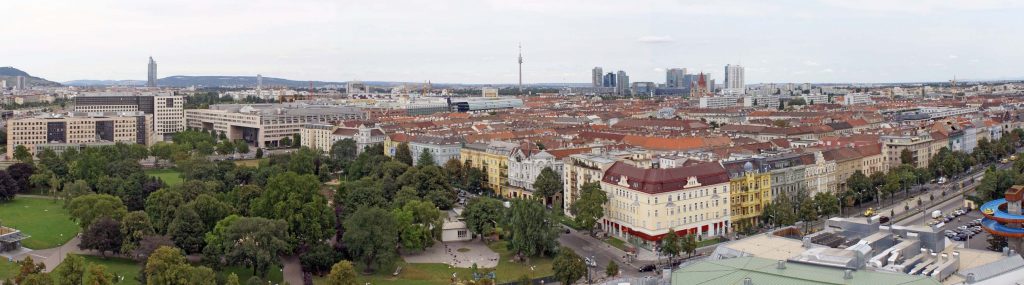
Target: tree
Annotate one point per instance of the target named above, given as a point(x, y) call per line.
point(22, 154)
point(226, 147)
point(453, 169)
point(403, 154)
point(210, 210)
point(241, 147)
point(149, 244)
point(161, 207)
point(342, 273)
point(296, 199)
point(8, 187)
point(232, 279)
point(612, 269)
point(906, 157)
point(319, 258)
point(533, 231)
point(431, 184)
point(826, 203)
point(426, 159)
point(259, 153)
point(187, 230)
point(103, 235)
point(134, 227)
point(808, 212)
point(70, 271)
point(98, 275)
point(419, 224)
point(89, 208)
point(482, 214)
point(996, 243)
point(254, 242)
point(689, 244)
point(296, 140)
point(589, 207)
point(21, 172)
point(568, 266)
point(371, 236)
point(167, 266)
point(162, 150)
point(286, 142)
point(670, 245)
point(28, 267)
point(547, 185)
point(343, 152)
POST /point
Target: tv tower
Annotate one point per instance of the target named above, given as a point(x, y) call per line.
point(520, 68)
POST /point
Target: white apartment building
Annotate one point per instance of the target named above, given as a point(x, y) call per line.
point(61, 130)
point(645, 203)
point(523, 168)
point(718, 102)
point(761, 101)
point(815, 98)
point(857, 99)
point(168, 110)
point(323, 136)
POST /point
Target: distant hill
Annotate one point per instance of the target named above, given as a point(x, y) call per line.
point(105, 83)
point(10, 74)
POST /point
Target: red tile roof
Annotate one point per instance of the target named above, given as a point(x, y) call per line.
point(654, 181)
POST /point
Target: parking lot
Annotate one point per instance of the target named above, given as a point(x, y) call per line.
point(965, 228)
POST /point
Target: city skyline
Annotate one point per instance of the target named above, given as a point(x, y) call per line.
point(871, 42)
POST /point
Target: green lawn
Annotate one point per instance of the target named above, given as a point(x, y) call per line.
point(170, 176)
point(617, 243)
point(440, 274)
point(7, 269)
point(130, 270)
point(708, 242)
point(248, 162)
point(45, 220)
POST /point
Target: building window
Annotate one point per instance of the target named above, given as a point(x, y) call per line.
point(463, 234)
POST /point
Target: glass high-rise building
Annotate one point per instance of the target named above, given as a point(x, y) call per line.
point(151, 76)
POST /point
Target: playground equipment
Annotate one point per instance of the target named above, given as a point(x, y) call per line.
point(1003, 217)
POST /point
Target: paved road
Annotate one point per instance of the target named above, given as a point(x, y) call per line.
point(587, 246)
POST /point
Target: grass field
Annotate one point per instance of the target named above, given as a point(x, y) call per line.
point(248, 162)
point(129, 269)
point(170, 176)
point(617, 243)
point(7, 269)
point(45, 220)
point(440, 274)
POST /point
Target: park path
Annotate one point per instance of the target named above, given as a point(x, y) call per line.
point(292, 269)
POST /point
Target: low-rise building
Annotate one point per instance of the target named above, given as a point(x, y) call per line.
point(919, 145)
point(492, 159)
point(750, 191)
point(645, 203)
point(323, 136)
point(266, 124)
point(442, 148)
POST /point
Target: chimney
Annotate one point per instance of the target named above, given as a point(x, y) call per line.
point(781, 264)
point(848, 274)
point(747, 281)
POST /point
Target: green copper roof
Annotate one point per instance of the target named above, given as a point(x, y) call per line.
point(763, 271)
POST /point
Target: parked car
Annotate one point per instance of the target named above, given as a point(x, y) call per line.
point(883, 219)
point(648, 268)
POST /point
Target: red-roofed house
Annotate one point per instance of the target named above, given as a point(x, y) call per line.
point(645, 203)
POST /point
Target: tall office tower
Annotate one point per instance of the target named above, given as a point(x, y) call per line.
point(20, 83)
point(259, 82)
point(3, 84)
point(608, 80)
point(595, 77)
point(734, 79)
point(622, 83)
point(151, 76)
point(674, 78)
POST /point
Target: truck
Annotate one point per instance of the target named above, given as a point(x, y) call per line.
point(936, 214)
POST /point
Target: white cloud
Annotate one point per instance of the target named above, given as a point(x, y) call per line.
point(655, 39)
point(811, 63)
point(827, 70)
point(953, 56)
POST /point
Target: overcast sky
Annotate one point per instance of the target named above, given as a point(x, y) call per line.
point(474, 41)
